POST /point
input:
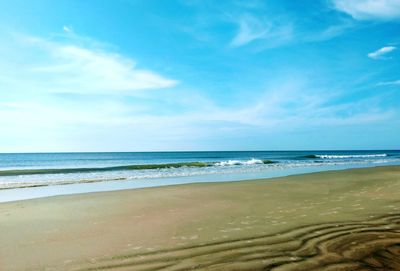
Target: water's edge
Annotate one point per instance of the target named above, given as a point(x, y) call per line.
point(18, 194)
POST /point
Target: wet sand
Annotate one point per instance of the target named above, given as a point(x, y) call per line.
point(338, 220)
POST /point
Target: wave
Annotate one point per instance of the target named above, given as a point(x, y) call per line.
point(14, 172)
point(334, 156)
point(246, 162)
point(27, 180)
point(17, 172)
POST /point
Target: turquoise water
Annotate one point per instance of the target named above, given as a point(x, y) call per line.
point(87, 172)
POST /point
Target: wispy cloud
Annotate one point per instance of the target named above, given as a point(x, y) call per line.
point(328, 33)
point(382, 52)
point(69, 67)
point(249, 30)
point(119, 125)
point(70, 90)
point(370, 9)
point(252, 28)
point(99, 71)
point(285, 104)
point(389, 83)
point(62, 89)
point(68, 29)
point(261, 26)
point(273, 32)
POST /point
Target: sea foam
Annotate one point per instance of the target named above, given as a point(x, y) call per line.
point(252, 161)
point(328, 156)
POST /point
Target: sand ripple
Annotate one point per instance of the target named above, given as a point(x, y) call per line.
point(351, 245)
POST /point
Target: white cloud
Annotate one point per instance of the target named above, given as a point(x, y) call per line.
point(70, 67)
point(113, 124)
point(328, 33)
point(252, 28)
point(249, 30)
point(38, 120)
point(55, 93)
point(380, 53)
point(389, 83)
point(67, 29)
point(370, 9)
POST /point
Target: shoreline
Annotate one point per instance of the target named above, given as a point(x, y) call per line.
point(10, 194)
point(354, 215)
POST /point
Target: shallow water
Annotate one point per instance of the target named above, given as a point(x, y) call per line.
point(24, 176)
point(14, 194)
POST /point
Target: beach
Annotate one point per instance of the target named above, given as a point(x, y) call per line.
point(334, 220)
point(200, 135)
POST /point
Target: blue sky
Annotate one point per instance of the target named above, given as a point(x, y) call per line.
point(134, 75)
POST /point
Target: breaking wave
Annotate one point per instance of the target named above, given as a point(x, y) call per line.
point(349, 156)
point(246, 162)
point(17, 172)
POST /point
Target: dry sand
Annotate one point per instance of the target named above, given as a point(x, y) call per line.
point(340, 220)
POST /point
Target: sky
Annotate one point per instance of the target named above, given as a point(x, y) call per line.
point(180, 75)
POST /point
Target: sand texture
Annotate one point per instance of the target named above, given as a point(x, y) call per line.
point(339, 220)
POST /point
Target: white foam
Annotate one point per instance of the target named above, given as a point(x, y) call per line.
point(326, 156)
point(225, 167)
point(238, 162)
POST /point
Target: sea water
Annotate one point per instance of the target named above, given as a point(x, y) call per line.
point(68, 173)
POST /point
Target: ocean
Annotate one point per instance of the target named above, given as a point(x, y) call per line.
point(119, 170)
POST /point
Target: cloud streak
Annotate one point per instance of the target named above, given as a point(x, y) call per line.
point(69, 90)
point(252, 28)
point(66, 67)
point(370, 9)
point(389, 83)
point(67, 29)
point(382, 52)
point(116, 124)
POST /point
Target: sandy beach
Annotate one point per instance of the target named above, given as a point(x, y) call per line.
point(337, 220)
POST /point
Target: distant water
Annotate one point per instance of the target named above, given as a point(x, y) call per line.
point(44, 169)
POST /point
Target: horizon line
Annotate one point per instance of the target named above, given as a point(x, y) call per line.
point(169, 151)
